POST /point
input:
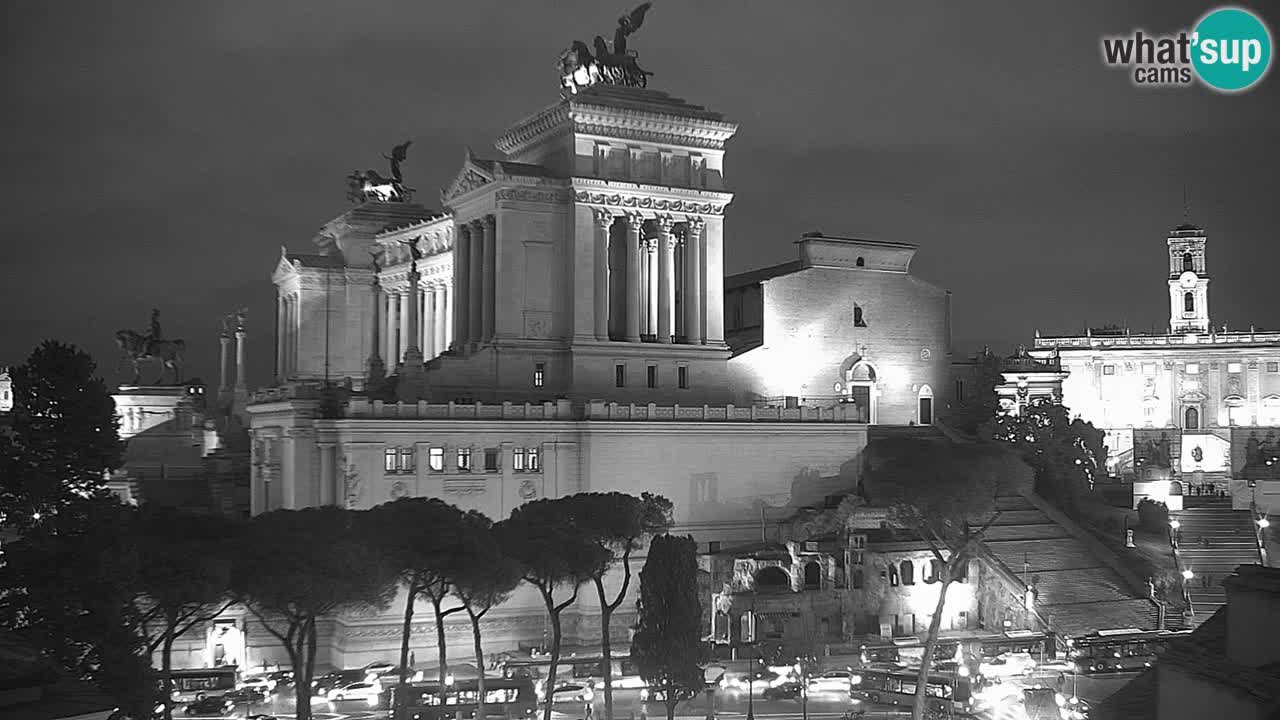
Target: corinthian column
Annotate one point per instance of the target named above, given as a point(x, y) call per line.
point(490, 224)
point(604, 221)
point(475, 272)
point(651, 277)
point(225, 341)
point(694, 332)
point(282, 323)
point(634, 222)
point(241, 359)
point(376, 371)
point(666, 279)
point(461, 284)
point(444, 315)
point(393, 322)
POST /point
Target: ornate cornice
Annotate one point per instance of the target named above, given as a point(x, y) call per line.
point(645, 202)
point(530, 130)
point(622, 132)
point(522, 194)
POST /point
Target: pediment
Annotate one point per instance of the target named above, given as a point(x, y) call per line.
point(1233, 401)
point(1272, 400)
point(471, 175)
point(1192, 396)
point(284, 267)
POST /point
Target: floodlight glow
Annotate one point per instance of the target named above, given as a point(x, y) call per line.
point(1175, 524)
point(1187, 574)
point(1264, 523)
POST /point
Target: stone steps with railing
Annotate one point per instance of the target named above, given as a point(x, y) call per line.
point(1213, 540)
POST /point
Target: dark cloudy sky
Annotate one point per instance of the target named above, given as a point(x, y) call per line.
point(160, 152)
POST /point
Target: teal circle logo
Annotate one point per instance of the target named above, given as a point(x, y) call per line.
point(1231, 49)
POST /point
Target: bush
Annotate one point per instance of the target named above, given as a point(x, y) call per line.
point(1153, 516)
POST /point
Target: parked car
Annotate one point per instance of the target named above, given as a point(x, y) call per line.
point(321, 686)
point(282, 678)
point(258, 682)
point(833, 680)
point(572, 692)
point(218, 705)
point(366, 691)
point(785, 691)
point(246, 695)
point(379, 668)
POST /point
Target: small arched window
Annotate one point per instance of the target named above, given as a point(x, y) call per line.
point(1193, 419)
point(861, 262)
point(1189, 302)
point(893, 576)
point(932, 577)
point(1188, 262)
point(908, 573)
point(858, 320)
point(813, 576)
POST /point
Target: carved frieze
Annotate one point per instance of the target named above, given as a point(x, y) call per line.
point(465, 486)
point(648, 203)
point(538, 196)
point(624, 132)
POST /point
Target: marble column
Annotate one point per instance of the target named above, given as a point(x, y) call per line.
point(376, 370)
point(411, 386)
point(424, 320)
point(241, 360)
point(666, 255)
point(393, 328)
point(225, 341)
point(634, 222)
point(489, 300)
point(406, 332)
point(651, 297)
point(475, 283)
point(291, 336)
point(281, 323)
point(693, 282)
point(445, 309)
point(603, 224)
point(461, 284)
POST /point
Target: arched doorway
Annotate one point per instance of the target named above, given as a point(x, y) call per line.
point(924, 405)
point(860, 387)
point(813, 576)
point(1191, 419)
point(1175, 488)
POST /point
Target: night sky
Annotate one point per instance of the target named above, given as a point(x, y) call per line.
point(159, 153)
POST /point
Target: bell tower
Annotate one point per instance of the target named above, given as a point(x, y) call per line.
point(1188, 281)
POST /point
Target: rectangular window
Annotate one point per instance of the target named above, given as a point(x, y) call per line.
point(1273, 367)
point(464, 459)
point(959, 391)
point(406, 463)
point(1193, 368)
point(1108, 369)
point(619, 375)
point(435, 459)
point(517, 459)
point(389, 460)
point(491, 459)
point(539, 374)
point(682, 377)
point(1233, 367)
point(651, 376)
point(535, 464)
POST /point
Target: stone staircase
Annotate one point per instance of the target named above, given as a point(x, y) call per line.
point(1213, 541)
point(1076, 592)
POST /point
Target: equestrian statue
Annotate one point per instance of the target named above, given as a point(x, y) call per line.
point(151, 345)
point(581, 68)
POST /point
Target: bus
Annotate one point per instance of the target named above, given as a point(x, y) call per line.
point(945, 694)
point(1016, 652)
point(585, 669)
point(1120, 650)
point(511, 699)
point(199, 683)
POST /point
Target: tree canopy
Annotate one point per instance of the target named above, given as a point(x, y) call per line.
point(1068, 455)
point(62, 438)
point(667, 647)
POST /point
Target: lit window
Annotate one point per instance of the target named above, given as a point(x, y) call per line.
point(651, 376)
point(405, 463)
point(517, 459)
point(619, 375)
point(464, 459)
point(491, 460)
point(535, 465)
point(539, 374)
point(1108, 369)
point(682, 377)
point(435, 459)
point(1193, 368)
point(1233, 367)
point(389, 460)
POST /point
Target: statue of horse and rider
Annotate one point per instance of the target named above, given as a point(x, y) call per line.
point(151, 346)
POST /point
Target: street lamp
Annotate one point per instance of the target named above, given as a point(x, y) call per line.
point(1187, 574)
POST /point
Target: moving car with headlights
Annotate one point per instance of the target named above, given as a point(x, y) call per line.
point(832, 680)
point(369, 692)
point(572, 692)
point(211, 705)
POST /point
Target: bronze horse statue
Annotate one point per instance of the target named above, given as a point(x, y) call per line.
point(138, 347)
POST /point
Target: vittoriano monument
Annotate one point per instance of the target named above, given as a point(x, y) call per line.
point(580, 68)
point(151, 345)
point(369, 185)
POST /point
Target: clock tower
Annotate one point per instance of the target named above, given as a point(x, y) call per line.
point(1188, 281)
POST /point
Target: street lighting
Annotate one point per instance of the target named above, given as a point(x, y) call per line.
point(1187, 574)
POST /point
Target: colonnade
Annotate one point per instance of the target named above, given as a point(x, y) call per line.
point(474, 267)
point(434, 331)
point(663, 257)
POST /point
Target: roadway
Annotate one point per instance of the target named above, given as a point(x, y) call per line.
point(730, 704)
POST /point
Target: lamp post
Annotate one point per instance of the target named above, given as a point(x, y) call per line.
point(1174, 525)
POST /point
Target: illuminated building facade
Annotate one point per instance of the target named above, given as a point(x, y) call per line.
point(847, 322)
point(1196, 407)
